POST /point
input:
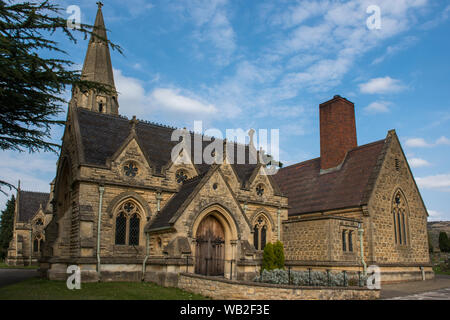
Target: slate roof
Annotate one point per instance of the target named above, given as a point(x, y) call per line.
point(170, 209)
point(29, 203)
point(309, 191)
point(103, 134)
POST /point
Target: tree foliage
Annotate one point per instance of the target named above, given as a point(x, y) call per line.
point(268, 262)
point(444, 242)
point(278, 251)
point(32, 76)
point(6, 227)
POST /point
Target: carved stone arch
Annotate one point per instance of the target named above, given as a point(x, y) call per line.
point(126, 196)
point(267, 215)
point(132, 221)
point(195, 218)
point(398, 189)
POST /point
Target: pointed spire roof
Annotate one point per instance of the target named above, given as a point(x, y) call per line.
point(97, 64)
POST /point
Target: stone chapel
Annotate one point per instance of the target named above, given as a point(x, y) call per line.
point(122, 210)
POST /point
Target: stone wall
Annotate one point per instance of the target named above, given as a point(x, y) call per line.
point(395, 175)
point(319, 238)
point(226, 289)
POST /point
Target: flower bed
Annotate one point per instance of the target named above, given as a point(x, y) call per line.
point(312, 278)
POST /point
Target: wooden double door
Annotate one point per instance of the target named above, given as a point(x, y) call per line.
point(210, 248)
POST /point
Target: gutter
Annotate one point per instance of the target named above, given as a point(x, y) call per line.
point(101, 189)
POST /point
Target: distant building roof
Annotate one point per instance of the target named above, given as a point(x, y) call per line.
point(29, 203)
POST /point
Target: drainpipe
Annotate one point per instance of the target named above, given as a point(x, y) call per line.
point(278, 222)
point(361, 246)
point(31, 244)
point(101, 189)
point(147, 248)
point(422, 269)
point(158, 201)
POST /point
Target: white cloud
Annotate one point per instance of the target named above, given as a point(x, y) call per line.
point(172, 99)
point(134, 99)
point(443, 140)
point(336, 34)
point(392, 50)
point(381, 85)
point(436, 215)
point(378, 107)
point(440, 182)
point(421, 143)
point(416, 142)
point(417, 163)
point(35, 171)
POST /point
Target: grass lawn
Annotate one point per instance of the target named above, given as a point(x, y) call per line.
point(40, 289)
point(5, 266)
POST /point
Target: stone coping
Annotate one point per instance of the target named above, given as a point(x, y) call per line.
point(351, 264)
point(270, 285)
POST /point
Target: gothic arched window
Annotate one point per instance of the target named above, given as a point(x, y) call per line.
point(344, 240)
point(128, 224)
point(38, 242)
point(400, 218)
point(134, 230)
point(350, 241)
point(260, 235)
point(256, 237)
point(121, 228)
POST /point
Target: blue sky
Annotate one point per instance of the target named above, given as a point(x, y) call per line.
point(267, 64)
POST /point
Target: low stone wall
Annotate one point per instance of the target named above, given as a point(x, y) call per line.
point(226, 289)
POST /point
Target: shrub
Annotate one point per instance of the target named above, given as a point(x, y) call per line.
point(278, 251)
point(302, 278)
point(444, 242)
point(268, 262)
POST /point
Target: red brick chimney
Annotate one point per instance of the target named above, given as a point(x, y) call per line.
point(337, 131)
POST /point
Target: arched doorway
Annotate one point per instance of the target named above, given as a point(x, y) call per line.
point(210, 247)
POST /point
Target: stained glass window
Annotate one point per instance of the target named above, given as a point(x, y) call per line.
point(350, 241)
point(130, 170)
point(260, 190)
point(121, 228)
point(181, 176)
point(260, 232)
point(263, 236)
point(256, 237)
point(128, 224)
point(344, 241)
point(134, 230)
point(400, 219)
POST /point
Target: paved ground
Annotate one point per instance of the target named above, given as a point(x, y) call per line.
point(10, 276)
point(442, 294)
point(436, 289)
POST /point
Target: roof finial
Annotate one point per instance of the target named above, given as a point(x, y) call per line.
point(99, 4)
point(133, 123)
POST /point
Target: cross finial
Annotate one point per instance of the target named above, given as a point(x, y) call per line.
point(99, 4)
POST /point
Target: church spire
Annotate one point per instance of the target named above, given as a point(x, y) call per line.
point(98, 68)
